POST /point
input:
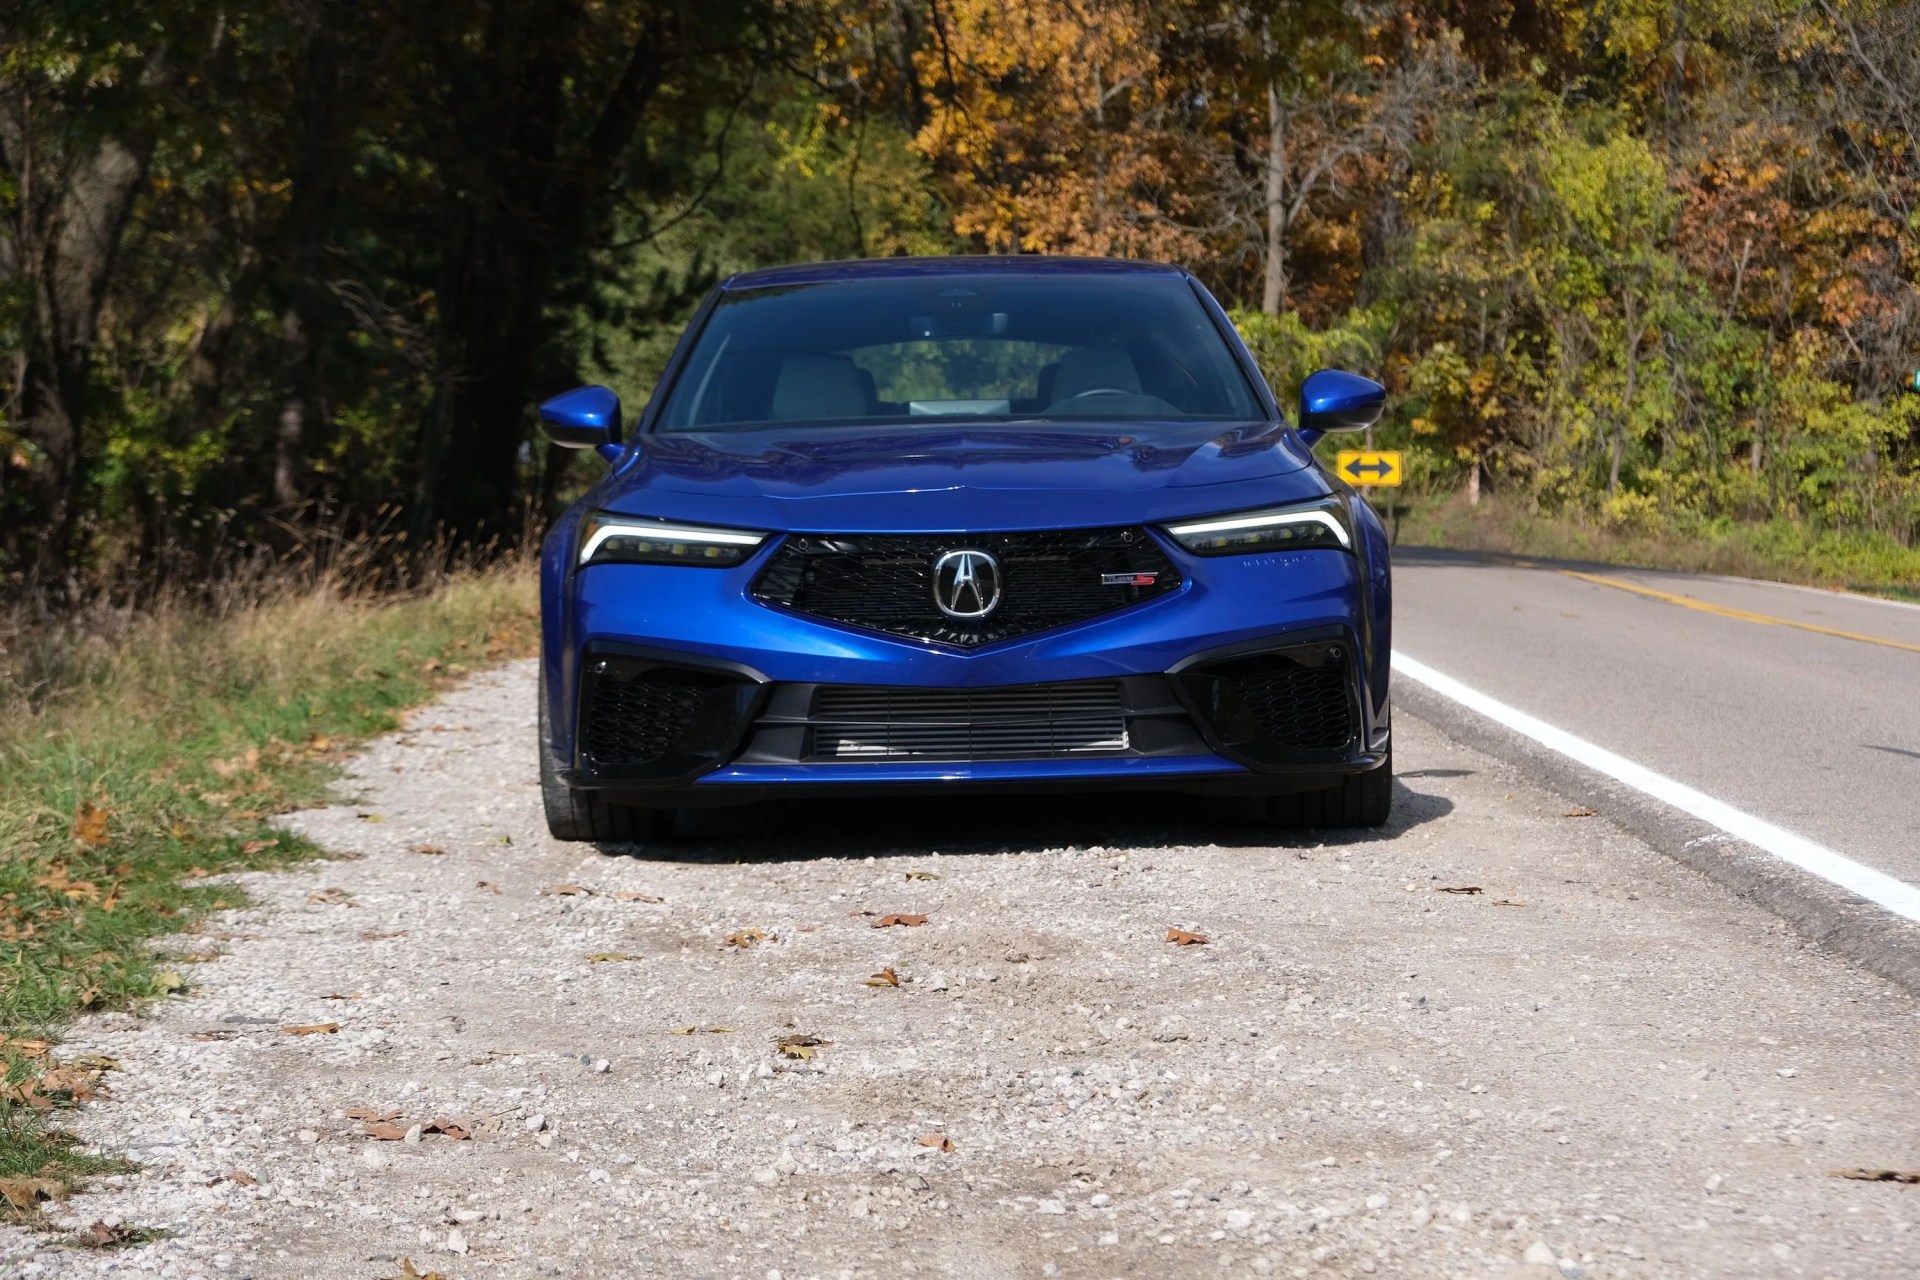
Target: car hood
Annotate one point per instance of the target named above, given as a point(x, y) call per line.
point(961, 477)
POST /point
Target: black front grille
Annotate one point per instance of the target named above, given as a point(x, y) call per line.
point(1299, 707)
point(1022, 722)
point(884, 582)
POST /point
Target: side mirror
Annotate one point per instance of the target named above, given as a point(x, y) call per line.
point(584, 418)
point(1332, 400)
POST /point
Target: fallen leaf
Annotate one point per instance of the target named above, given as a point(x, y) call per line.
point(1468, 888)
point(747, 939)
point(629, 895)
point(371, 1115)
point(316, 1029)
point(567, 891)
point(90, 825)
point(319, 742)
point(214, 1035)
point(25, 1048)
point(329, 897)
point(1507, 902)
point(25, 1194)
point(240, 1177)
point(374, 935)
point(408, 1273)
point(449, 1128)
point(96, 1062)
point(99, 1235)
point(1181, 938)
point(885, 978)
point(905, 921)
point(800, 1045)
point(922, 875)
point(168, 981)
point(1877, 1175)
point(938, 1141)
point(1582, 812)
point(337, 996)
point(426, 848)
point(252, 847)
point(696, 1030)
point(608, 957)
point(198, 957)
point(489, 886)
point(371, 817)
point(384, 1132)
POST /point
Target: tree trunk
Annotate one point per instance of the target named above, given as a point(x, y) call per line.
point(1273, 298)
point(1630, 313)
point(64, 247)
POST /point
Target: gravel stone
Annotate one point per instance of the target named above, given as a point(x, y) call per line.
point(1271, 1104)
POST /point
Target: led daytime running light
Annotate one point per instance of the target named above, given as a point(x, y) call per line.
point(1233, 524)
point(604, 529)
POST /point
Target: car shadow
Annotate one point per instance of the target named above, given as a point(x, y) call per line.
point(1028, 822)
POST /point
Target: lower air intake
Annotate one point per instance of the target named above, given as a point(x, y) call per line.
point(857, 723)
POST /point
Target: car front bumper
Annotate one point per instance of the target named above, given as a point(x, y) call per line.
point(743, 681)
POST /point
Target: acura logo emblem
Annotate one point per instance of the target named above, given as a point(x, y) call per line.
point(966, 584)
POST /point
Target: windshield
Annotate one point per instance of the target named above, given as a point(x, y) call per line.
point(970, 347)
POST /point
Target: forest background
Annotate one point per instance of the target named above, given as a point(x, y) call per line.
point(276, 274)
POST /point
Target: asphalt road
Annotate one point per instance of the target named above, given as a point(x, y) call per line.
point(1800, 707)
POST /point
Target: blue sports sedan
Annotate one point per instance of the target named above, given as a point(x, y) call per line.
point(918, 525)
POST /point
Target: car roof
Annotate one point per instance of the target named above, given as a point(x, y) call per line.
point(922, 268)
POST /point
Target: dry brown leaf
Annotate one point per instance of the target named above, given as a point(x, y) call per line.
point(1181, 938)
point(938, 1141)
point(905, 921)
point(329, 897)
point(1877, 1175)
point(240, 1177)
point(337, 996)
point(252, 847)
point(747, 939)
point(1508, 902)
point(381, 1131)
point(630, 895)
point(489, 886)
point(408, 1273)
point(448, 1128)
point(1465, 888)
point(25, 1048)
point(696, 1030)
point(90, 825)
point(375, 935)
point(371, 1114)
point(1582, 812)
point(608, 957)
point(800, 1045)
point(315, 1029)
point(922, 875)
point(567, 891)
point(425, 848)
point(198, 957)
point(25, 1194)
point(99, 1235)
point(214, 1035)
point(885, 978)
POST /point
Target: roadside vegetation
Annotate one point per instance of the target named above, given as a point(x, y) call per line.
point(1780, 550)
point(142, 756)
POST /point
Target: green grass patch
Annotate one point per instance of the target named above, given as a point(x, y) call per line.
point(1777, 550)
point(137, 768)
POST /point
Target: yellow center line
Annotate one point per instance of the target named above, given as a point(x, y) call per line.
point(1764, 620)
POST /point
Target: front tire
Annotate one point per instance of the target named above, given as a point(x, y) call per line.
point(1358, 800)
point(584, 815)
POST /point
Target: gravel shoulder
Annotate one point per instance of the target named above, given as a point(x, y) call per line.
point(1600, 1065)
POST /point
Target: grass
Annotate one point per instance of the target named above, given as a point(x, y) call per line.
point(1778, 550)
point(138, 766)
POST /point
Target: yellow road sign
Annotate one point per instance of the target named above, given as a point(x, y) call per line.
point(1368, 466)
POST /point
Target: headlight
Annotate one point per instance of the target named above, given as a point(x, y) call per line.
point(1310, 524)
point(611, 539)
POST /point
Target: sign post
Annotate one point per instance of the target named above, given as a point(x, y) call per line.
point(1377, 468)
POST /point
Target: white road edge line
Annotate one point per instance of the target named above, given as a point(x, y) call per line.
point(1877, 887)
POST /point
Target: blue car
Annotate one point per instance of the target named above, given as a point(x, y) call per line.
point(982, 524)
